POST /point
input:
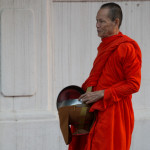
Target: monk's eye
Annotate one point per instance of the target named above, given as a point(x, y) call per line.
point(101, 21)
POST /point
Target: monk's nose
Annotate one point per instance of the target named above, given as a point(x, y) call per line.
point(97, 25)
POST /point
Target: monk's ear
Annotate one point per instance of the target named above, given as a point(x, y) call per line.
point(117, 22)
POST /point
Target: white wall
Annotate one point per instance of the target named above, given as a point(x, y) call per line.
point(75, 47)
point(26, 118)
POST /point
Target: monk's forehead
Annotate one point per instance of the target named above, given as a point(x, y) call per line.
point(102, 13)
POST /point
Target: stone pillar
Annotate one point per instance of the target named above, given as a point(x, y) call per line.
point(26, 118)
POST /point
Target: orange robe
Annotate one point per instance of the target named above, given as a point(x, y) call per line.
point(117, 70)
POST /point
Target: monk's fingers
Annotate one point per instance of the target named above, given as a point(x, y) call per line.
point(81, 97)
point(84, 95)
point(95, 96)
point(92, 99)
point(88, 98)
point(85, 99)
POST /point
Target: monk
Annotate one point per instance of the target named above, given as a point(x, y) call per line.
point(115, 76)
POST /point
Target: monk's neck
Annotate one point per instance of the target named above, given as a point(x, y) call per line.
point(111, 38)
point(116, 32)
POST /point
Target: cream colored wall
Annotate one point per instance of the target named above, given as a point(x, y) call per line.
point(26, 119)
point(75, 47)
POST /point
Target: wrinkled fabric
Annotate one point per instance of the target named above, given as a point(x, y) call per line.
point(117, 70)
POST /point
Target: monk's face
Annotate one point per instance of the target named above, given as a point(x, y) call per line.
point(105, 26)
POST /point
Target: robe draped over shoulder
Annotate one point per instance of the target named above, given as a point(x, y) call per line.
point(117, 71)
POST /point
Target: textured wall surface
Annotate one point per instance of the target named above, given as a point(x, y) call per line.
point(24, 55)
point(26, 120)
point(75, 47)
point(17, 52)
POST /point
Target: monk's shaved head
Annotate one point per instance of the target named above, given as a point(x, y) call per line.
point(114, 11)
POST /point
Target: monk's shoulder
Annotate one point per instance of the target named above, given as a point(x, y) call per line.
point(126, 50)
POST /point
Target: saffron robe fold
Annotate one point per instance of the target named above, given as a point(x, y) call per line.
point(117, 70)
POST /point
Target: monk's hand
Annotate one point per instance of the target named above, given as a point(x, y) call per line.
point(92, 97)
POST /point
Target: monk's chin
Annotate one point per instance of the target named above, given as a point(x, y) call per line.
point(99, 35)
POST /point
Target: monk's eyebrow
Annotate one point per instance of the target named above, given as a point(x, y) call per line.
point(99, 19)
